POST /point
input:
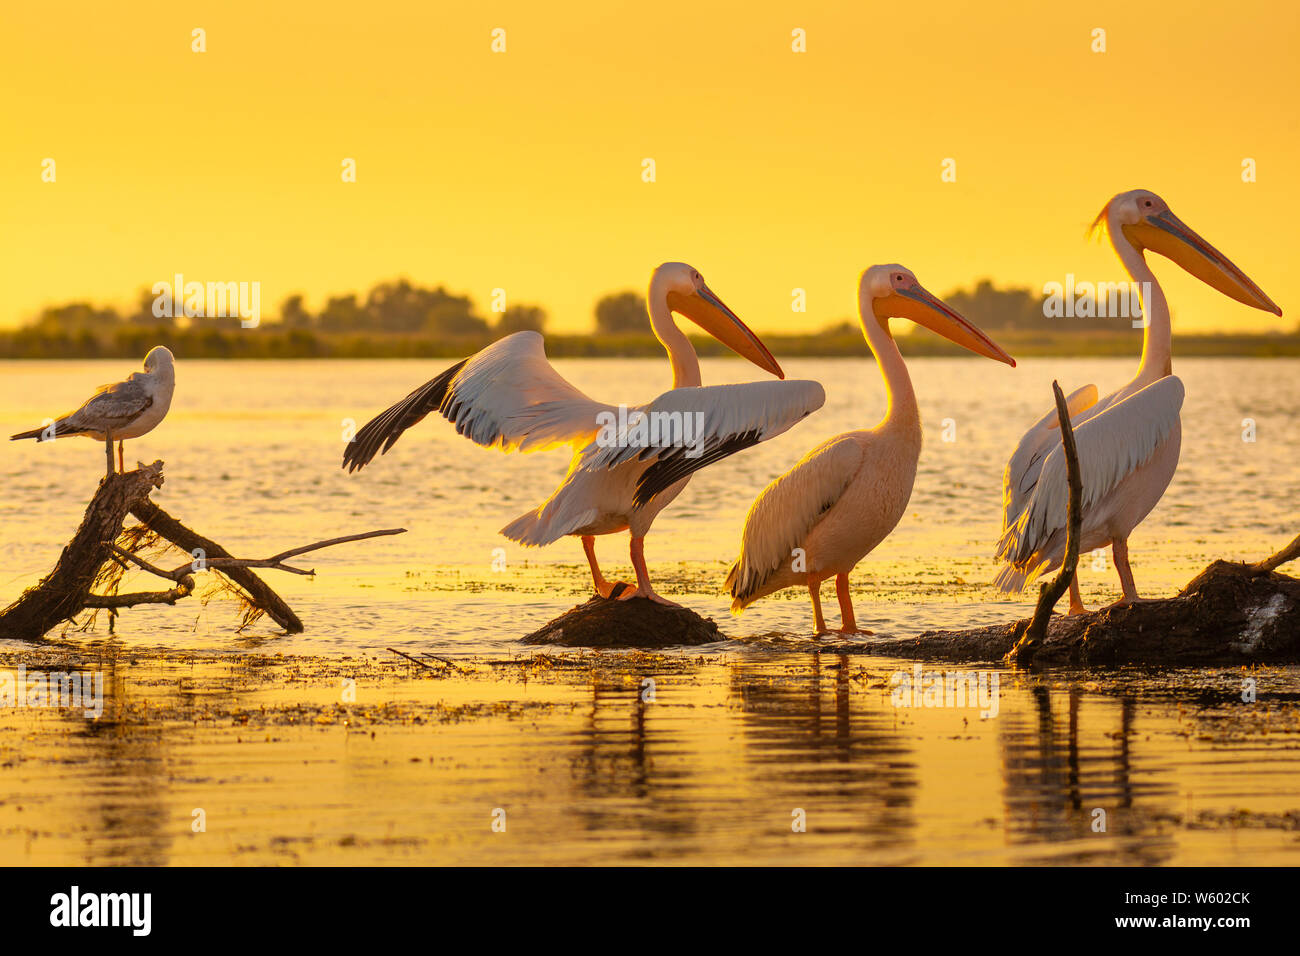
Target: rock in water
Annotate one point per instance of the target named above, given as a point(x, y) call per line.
point(635, 623)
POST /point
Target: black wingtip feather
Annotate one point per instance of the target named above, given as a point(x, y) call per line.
point(668, 471)
point(384, 429)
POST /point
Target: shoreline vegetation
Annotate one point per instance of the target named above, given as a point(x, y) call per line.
point(397, 319)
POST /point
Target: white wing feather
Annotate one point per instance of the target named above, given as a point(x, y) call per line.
point(1026, 463)
point(787, 510)
point(507, 396)
point(708, 424)
point(510, 395)
point(1111, 446)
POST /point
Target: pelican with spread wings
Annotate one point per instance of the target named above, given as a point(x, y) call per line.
point(830, 510)
point(1129, 441)
point(122, 410)
point(627, 463)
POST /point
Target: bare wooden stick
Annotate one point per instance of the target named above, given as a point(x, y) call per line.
point(441, 660)
point(227, 564)
point(413, 660)
point(182, 590)
point(276, 561)
point(330, 542)
point(135, 559)
point(1050, 592)
point(1289, 553)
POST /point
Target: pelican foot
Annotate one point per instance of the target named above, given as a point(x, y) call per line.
point(846, 631)
point(1076, 609)
point(648, 594)
point(607, 589)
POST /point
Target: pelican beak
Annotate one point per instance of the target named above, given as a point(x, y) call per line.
point(1172, 238)
point(708, 312)
point(929, 310)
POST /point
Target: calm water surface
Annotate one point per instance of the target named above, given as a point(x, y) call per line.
point(716, 768)
point(740, 736)
point(253, 450)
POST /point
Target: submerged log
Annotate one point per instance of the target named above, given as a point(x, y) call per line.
point(602, 622)
point(1229, 614)
point(103, 549)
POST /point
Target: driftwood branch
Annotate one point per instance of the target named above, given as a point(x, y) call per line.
point(1270, 564)
point(182, 590)
point(276, 561)
point(1050, 592)
point(259, 593)
point(95, 556)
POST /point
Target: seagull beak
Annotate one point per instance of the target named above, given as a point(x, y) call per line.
point(708, 312)
point(1172, 238)
point(929, 310)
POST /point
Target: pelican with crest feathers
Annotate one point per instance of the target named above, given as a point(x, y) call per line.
point(1128, 442)
point(825, 514)
point(508, 396)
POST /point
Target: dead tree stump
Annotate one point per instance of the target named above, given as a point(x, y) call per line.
point(62, 594)
point(102, 550)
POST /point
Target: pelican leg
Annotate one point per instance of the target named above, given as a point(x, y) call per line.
point(1119, 548)
point(643, 588)
point(120, 467)
point(108, 452)
point(847, 623)
point(603, 587)
point(1076, 599)
point(815, 592)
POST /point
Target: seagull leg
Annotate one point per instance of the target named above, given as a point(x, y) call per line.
point(815, 592)
point(1076, 599)
point(603, 587)
point(108, 452)
point(847, 623)
point(643, 588)
point(120, 467)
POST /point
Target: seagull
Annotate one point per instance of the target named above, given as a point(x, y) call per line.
point(508, 396)
point(126, 409)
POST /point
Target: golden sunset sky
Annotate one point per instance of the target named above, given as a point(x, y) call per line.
point(522, 170)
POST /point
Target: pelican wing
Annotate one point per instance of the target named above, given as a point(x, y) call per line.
point(787, 510)
point(1112, 445)
point(1026, 463)
point(507, 396)
point(687, 429)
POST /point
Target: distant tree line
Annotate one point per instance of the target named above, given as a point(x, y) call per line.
point(398, 306)
point(994, 309)
point(400, 318)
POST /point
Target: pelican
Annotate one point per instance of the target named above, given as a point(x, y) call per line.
point(627, 464)
point(844, 497)
point(1128, 442)
point(122, 410)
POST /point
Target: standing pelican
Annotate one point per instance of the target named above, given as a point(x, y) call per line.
point(627, 464)
point(844, 497)
point(126, 409)
point(1129, 441)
